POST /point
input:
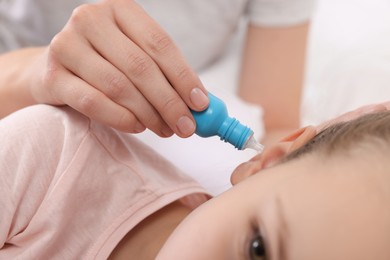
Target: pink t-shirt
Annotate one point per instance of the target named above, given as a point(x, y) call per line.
point(71, 188)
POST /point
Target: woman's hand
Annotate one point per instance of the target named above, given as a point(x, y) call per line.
point(115, 64)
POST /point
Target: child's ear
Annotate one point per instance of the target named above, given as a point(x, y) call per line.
point(270, 156)
point(273, 154)
point(300, 140)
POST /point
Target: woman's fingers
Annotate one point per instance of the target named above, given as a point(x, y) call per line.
point(145, 76)
point(158, 69)
point(91, 102)
point(119, 59)
point(154, 41)
point(171, 86)
point(102, 75)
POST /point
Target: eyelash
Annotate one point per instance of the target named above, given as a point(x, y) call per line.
point(255, 234)
point(260, 251)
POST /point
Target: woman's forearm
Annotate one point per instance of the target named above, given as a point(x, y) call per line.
point(19, 70)
point(272, 74)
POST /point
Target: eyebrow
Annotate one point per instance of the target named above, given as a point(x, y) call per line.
point(282, 231)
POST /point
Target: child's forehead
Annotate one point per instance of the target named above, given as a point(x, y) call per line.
point(314, 173)
point(340, 192)
point(313, 181)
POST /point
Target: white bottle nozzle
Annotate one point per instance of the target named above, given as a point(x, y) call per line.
point(253, 144)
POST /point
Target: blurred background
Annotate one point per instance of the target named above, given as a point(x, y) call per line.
point(349, 57)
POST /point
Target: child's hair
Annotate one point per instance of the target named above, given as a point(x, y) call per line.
point(371, 129)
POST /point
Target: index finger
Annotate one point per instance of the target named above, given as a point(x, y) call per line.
point(160, 47)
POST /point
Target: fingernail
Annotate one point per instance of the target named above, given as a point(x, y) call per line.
point(139, 127)
point(198, 98)
point(166, 131)
point(185, 125)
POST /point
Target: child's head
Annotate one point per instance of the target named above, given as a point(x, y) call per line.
point(329, 199)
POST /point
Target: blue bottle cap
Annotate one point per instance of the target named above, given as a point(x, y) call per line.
point(215, 121)
point(235, 133)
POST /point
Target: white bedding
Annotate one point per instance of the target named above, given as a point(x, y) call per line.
point(348, 66)
point(349, 57)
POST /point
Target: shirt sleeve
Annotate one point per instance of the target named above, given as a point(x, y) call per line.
point(279, 12)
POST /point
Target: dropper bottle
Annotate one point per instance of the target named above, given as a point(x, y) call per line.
point(215, 120)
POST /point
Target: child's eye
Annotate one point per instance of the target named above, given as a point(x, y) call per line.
point(257, 249)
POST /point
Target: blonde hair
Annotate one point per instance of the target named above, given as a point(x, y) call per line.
point(372, 129)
